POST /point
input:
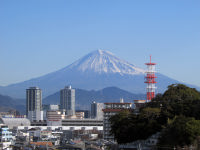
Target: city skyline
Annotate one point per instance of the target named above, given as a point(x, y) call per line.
point(37, 37)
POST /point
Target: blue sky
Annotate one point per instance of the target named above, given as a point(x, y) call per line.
point(41, 36)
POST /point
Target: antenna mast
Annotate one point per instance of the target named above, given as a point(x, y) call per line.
point(150, 80)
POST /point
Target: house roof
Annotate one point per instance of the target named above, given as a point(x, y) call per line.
point(42, 143)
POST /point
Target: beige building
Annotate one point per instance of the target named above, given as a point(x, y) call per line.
point(139, 104)
point(54, 117)
point(80, 115)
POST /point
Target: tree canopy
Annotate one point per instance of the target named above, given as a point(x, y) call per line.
point(181, 131)
point(175, 114)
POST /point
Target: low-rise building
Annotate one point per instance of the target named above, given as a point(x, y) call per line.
point(80, 115)
point(54, 117)
point(15, 122)
point(139, 104)
point(86, 113)
point(39, 123)
point(48, 107)
point(82, 122)
point(5, 137)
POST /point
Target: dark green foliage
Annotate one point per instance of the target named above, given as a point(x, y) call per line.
point(121, 126)
point(175, 114)
point(182, 131)
point(128, 127)
point(180, 92)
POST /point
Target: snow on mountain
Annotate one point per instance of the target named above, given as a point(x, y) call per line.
point(101, 61)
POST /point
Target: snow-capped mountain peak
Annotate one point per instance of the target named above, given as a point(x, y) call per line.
point(96, 70)
point(101, 61)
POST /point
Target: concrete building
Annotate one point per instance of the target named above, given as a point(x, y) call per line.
point(68, 127)
point(82, 122)
point(50, 107)
point(47, 107)
point(139, 104)
point(110, 110)
point(15, 122)
point(86, 113)
point(96, 110)
point(67, 100)
point(5, 137)
point(5, 134)
point(34, 104)
point(54, 117)
point(80, 115)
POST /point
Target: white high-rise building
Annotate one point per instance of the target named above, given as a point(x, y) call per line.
point(97, 110)
point(34, 104)
point(67, 100)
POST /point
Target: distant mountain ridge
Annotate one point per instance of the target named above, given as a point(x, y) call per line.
point(7, 103)
point(97, 70)
point(84, 97)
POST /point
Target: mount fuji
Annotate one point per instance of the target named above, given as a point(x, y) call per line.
point(97, 70)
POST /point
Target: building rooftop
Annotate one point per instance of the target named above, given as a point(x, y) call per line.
point(117, 103)
point(139, 101)
point(113, 110)
point(42, 143)
point(34, 88)
point(11, 122)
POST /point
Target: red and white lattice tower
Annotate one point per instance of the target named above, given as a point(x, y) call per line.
point(150, 80)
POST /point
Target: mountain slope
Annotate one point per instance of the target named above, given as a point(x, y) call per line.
point(84, 98)
point(96, 70)
point(7, 103)
point(104, 62)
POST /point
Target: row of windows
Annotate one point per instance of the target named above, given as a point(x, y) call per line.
point(71, 124)
point(118, 106)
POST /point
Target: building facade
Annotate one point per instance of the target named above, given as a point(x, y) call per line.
point(47, 107)
point(139, 104)
point(96, 110)
point(80, 115)
point(82, 122)
point(67, 100)
point(54, 117)
point(5, 137)
point(86, 113)
point(34, 104)
point(110, 110)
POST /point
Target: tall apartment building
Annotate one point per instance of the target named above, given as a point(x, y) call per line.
point(110, 110)
point(67, 100)
point(34, 104)
point(97, 110)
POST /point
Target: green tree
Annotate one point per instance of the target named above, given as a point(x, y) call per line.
point(120, 125)
point(181, 131)
point(127, 127)
point(175, 114)
point(180, 92)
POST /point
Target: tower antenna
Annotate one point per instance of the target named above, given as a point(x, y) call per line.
point(150, 80)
